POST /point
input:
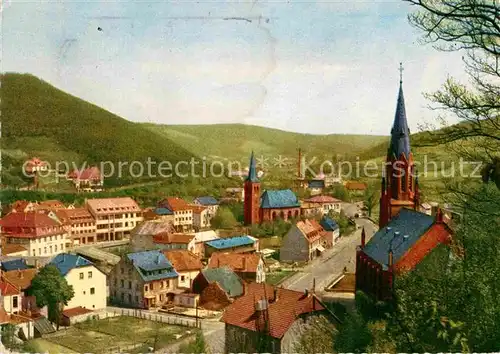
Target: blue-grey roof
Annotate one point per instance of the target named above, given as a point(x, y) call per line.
point(284, 198)
point(163, 211)
point(400, 134)
point(65, 262)
point(408, 222)
point(207, 200)
point(223, 243)
point(317, 183)
point(227, 279)
point(252, 170)
point(15, 264)
point(152, 265)
point(328, 224)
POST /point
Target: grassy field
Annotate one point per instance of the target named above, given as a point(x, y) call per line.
point(127, 334)
point(40, 345)
point(274, 278)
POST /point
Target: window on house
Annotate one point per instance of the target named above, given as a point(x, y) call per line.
point(92, 291)
point(81, 275)
point(39, 251)
point(45, 250)
point(168, 283)
point(122, 283)
point(90, 275)
point(129, 284)
point(146, 288)
point(55, 248)
point(183, 277)
point(14, 301)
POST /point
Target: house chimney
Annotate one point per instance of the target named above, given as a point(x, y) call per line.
point(434, 208)
point(244, 263)
point(275, 298)
point(390, 264)
point(363, 238)
point(439, 215)
point(306, 293)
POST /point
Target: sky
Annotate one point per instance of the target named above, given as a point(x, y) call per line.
point(319, 67)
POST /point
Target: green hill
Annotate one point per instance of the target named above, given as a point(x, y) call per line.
point(236, 141)
point(40, 120)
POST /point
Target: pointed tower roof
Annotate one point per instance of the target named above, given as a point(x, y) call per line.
point(400, 134)
point(252, 170)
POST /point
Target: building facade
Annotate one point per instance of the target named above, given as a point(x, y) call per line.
point(304, 241)
point(143, 280)
point(89, 283)
point(36, 231)
point(82, 227)
point(183, 213)
point(186, 264)
point(114, 217)
point(248, 266)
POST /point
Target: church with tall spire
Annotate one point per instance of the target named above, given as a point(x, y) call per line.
point(405, 236)
point(399, 184)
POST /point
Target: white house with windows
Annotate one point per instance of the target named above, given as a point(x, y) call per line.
point(38, 232)
point(88, 282)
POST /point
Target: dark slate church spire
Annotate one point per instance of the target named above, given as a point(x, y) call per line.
point(400, 134)
point(252, 170)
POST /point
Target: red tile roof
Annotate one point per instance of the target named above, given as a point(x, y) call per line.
point(74, 216)
point(10, 248)
point(355, 186)
point(311, 229)
point(75, 311)
point(21, 278)
point(88, 174)
point(49, 205)
point(168, 238)
point(175, 204)
point(197, 209)
point(238, 262)
point(323, 199)
point(282, 313)
point(183, 260)
point(104, 206)
point(31, 224)
point(20, 206)
point(7, 289)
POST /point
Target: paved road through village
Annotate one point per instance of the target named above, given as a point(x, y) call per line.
point(333, 261)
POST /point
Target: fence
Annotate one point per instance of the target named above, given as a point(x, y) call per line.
point(157, 317)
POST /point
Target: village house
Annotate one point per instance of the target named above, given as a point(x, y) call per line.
point(11, 297)
point(21, 279)
point(186, 264)
point(237, 244)
point(40, 234)
point(13, 250)
point(87, 180)
point(248, 266)
point(332, 230)
point(167, 241)
point(208, 202)
point(316, 186)
point(115, 217)
point(49, 205)
point(201, 217)
point(159, 214)
point(141, 237)
point(89, 283)
point(217, 287)
point(272, 320)
point(76, 314)
point(326, 203)
point(82, 227)
point(199, 241)
point(22, 206)
point(143, 280)
point(355, 189)
point(304, 241)
point(310, 210)
point(183, 213)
